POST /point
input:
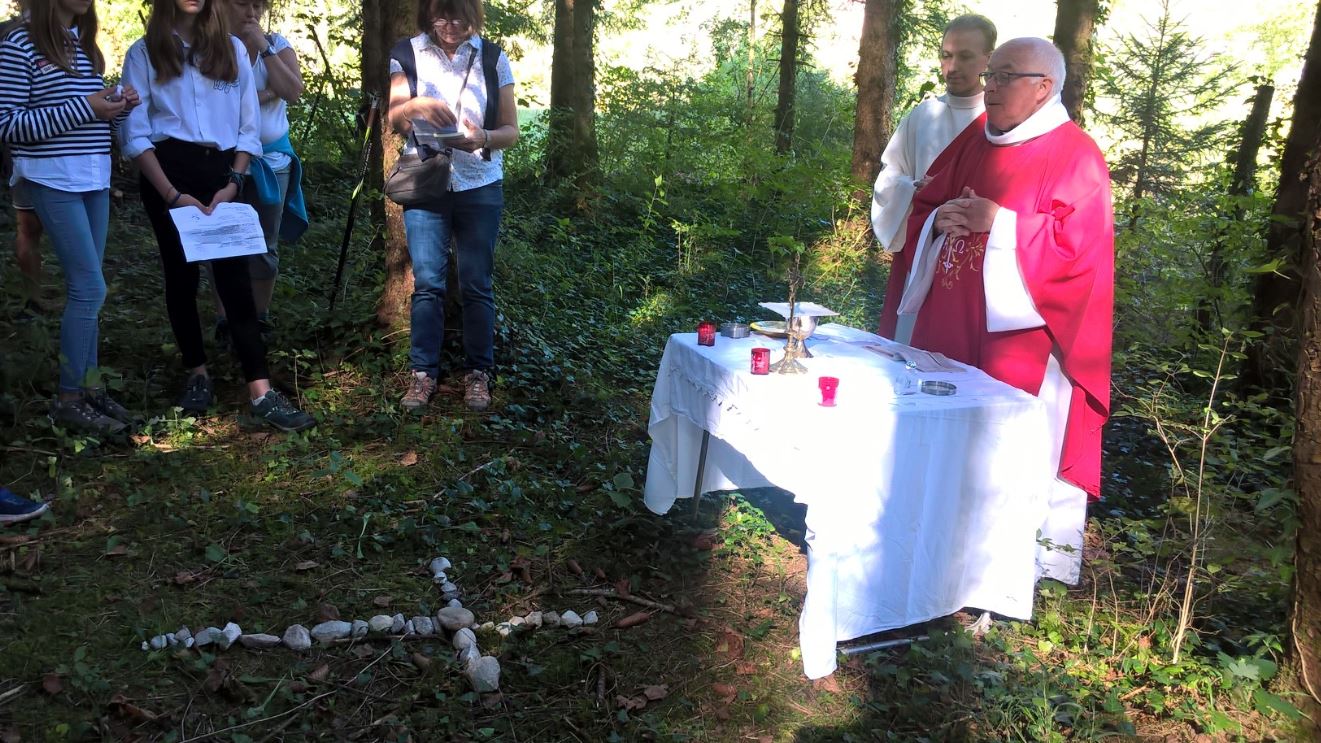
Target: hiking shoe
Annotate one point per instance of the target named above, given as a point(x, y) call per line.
point(197, 395)
point(276, 410)
point(79, 415)
point(477, 390)
point(15, 508)
point(106, 405)
point(420, 389)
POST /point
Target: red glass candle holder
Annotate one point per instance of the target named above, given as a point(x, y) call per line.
point(761, 361)
point(706, 334)
point(828, 386)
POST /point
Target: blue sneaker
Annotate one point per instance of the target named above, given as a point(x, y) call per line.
point(15, 508)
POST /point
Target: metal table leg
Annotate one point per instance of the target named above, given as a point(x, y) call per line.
point(701, 471)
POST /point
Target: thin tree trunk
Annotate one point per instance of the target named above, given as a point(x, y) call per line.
point(571, 148)
point(1244, 179)
point(1306, 614)
point(752, 53)
point(1276, 294)
point(784, 106)
point(877, 63)
point(1075, 23)
point(383, 23)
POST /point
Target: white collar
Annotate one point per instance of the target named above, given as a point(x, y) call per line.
point(1046, 119)
point(962, 101)
point(474, 41)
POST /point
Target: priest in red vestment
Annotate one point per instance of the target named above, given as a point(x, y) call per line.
point(1013, 267)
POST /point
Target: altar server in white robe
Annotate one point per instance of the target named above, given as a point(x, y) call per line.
point(965, 51)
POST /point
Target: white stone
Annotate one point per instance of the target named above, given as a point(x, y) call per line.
point(440, 565)
point(515, 622)
point(189, 642)
point(297, 638)
point(327, 632)
point(425, 626)
point(171, 639)
point(409, 628)
point(379, 624)
point(486, 627)
point(229, 635)
point(455, 604)
point(159, 642)
point(590, 617)
point(464, 638)
point(533, 619)
point(440, 578)
point(550, 619)
point(449, 587)
point(146, 646)
point(454, 617)
point(397, 624)
point(358, 629)
point(468, 655)
point(571, 619)
point(206, 636)
point(258, 641)
point(183, 635)
point(504, 629)
point(484, 674)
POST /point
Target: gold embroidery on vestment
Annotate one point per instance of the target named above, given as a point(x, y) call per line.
point(958, 253)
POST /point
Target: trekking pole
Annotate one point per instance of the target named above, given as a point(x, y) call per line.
point(353, 200)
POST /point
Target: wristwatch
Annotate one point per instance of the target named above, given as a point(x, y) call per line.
point(269, 51)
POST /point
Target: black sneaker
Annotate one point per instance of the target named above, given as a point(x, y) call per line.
point(197, 396)
point(277, 411)
point(79, 415)
point(103, 402)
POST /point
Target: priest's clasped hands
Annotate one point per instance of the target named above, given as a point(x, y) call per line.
point(966, 215)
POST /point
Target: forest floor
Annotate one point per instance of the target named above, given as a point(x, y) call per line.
point(199, 522)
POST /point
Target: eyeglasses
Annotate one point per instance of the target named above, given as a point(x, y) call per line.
point(1004, 78)
point(451, 22)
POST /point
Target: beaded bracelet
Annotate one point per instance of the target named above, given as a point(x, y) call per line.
point(177, 195)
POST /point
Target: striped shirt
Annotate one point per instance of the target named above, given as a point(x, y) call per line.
point(44, 111)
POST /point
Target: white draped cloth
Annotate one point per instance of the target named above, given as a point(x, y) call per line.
point(917, 505)
point(923, 134)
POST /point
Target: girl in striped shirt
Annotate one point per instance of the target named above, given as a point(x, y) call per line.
point(56, 113)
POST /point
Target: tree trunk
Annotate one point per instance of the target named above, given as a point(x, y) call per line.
point(877, 64)
point(784, 105)
point(1277, 293)
point(752, 55)
point(1075, 22)
point(1209, 315)
point(571, 152)
point(383, 23)
point(1307, 456)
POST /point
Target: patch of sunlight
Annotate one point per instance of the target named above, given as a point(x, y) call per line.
point(653, 308)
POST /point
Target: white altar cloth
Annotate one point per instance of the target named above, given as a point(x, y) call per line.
point(917, 505)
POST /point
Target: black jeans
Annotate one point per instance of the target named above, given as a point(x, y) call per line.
point(200, 172)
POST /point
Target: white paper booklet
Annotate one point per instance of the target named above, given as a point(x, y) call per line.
point(231, 230)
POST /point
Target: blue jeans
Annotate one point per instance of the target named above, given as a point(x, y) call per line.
point(472, 220)
point(76, 223)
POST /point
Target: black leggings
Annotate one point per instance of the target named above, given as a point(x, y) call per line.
point(200, 172)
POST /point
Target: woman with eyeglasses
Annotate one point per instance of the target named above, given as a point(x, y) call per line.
point(448, 78)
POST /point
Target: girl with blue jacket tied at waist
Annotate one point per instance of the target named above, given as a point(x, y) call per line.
point(274, 187)
point(57, 114)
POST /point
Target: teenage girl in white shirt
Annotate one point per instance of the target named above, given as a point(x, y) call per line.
point(192, 138)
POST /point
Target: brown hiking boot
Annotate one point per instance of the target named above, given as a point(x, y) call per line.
point(477, 390)
point(420, 389)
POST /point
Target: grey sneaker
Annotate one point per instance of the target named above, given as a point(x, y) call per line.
point(79, 415)
point(277, 411)
point(106, 405)
point(197, 396)
point(420, 389)
point(477, 390)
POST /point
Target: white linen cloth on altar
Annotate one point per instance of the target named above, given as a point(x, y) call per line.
point(917, 505)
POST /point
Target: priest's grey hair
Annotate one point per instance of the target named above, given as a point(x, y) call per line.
point(1045, 56)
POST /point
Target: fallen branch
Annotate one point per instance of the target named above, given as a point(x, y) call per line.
point(6, 696)
point(289, 711)
point(610, 593)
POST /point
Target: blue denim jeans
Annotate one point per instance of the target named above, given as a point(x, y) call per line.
point(472, 220)
point(76, 223)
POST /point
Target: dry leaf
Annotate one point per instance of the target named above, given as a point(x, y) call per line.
point(730, 644)
point(657, 692)
point(621, 587)
point(632, 620)
point(306, 565)
point(184, 577)
point(320, 675)
point(630, 703)
point(297, 686)
point(504, 536)
point(706, 540)
point(586, 487)
point(215, 677)
point(120, 705)
point(575, 567)
point(745, 668)
point(363, 652)
point(327, 613)
point(728, 691)
point(408, 459)
point(600, 574)
point(827, 684)
point(382, 601)
point(51, 684)
point(421, 661)
point(117, 550)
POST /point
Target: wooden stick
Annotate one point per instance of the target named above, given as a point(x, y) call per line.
point(610, 593)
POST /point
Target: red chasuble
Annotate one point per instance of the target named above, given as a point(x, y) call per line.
point(1059, 187)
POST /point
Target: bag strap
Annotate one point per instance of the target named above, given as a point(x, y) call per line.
point(402, 52)
point(491, 57)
